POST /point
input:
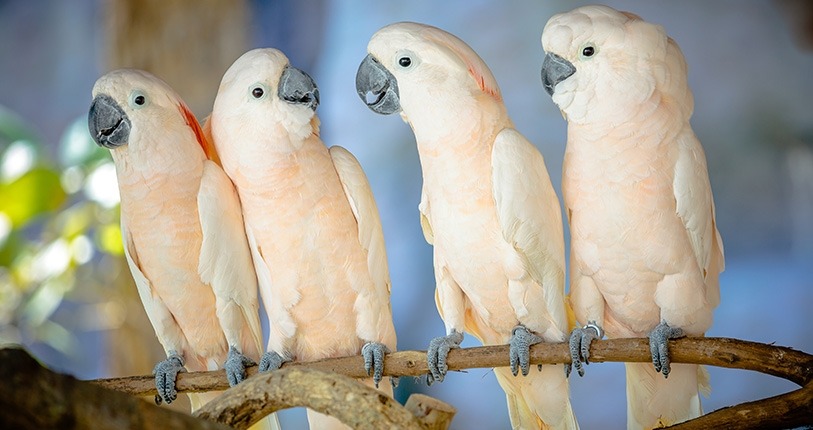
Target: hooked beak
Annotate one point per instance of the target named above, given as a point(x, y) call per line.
point(107, 122)
point(296, 86)
point(555, 69)
point(377, 87)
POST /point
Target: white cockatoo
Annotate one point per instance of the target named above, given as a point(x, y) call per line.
point(487, 206)
point(311, 220)
point(645, 251)
point(182, 230)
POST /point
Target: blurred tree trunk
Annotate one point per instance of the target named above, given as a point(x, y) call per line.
point(187, 43)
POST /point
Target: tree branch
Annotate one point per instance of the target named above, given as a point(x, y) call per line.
point(778, 361)
point(788, 409)
point(352, 403)
point(33, 397)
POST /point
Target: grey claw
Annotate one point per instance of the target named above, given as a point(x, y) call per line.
point(580, 340)
point(272, 361)
point(235, 366)
point(165, 374)
point(439, 348)
point(373, 353)
point(394, 381)
point(659, 346)
point(518, 352)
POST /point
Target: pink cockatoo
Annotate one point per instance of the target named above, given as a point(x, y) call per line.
point(311, 219)
point(487, 206)
point(645, 251)
point(182, 230)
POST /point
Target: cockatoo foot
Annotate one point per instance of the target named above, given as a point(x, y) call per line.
point(519, 351)
point(659, 346)
point(580, 340)
point(165, 374)
point(272, 361)
point(235, 366)
point(439, 348)
point(373, 353)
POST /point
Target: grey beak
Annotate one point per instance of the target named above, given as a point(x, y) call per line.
point(555, 69)
point(377, 87)
point(296, 86)
point(107, 122)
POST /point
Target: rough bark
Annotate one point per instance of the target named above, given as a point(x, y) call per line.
point(354, 404)
point(33, 397)
point(792, 409)
point(778, 361)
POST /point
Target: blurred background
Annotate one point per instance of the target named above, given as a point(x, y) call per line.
point(65, 291)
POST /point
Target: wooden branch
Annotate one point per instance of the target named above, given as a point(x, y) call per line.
point(433, 413)
point(352, 403)
point(778, 361)
point(790, 410)
point(33, 397)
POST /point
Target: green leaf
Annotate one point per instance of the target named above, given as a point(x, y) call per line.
point(36, 192)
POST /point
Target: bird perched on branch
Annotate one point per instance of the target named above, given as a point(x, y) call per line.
point(182, 230)
point(645, 251)
point(312, 223)
point(487, 206)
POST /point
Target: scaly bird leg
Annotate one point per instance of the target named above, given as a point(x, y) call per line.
point(272, 361)
point(519, 351)
point(373, 353)
point(165, 374)
point(580, 339)
point(439, 348)
point(659, 346)
point(235, 366)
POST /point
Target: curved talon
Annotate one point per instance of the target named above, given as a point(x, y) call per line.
point(580, 340)
point(272, 361)
point(439, 348)
point(165, 374)
point(519, 350)
point(659, 346)
point(235, 366)
point(373, 353)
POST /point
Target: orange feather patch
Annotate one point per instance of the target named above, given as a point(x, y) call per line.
point(204, 142)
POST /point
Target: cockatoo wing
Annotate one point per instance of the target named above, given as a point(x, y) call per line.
point(225, 260)
point(530, 218)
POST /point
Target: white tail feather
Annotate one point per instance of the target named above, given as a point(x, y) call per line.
point(655, 401)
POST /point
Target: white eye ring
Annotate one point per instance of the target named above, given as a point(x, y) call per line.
point(137, 99)
point(406, 60)
point(257, 91)
point(589, 50)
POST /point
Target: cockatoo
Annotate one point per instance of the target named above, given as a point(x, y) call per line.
point(312, 223)
point(645, 251)
point(487, 206)
point(182, 230)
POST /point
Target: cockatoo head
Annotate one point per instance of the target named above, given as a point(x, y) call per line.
point(262, 88)
point(609, 61)
point(412, 66)
point(128, 103)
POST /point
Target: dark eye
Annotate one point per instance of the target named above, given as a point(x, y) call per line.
point(139, 100)
point(588, 51)
point(257, 92)
point(404, 61)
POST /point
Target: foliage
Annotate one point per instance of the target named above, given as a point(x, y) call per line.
point(59, 229)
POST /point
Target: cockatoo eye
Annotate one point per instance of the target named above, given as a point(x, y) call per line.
point(404, 62)
point(588, 51)
point(138, 99)
point(258, 91)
